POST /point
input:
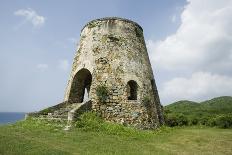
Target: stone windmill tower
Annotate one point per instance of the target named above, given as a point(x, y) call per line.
point(112, 69)
point(112, 53)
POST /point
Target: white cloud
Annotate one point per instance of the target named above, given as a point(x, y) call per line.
point(200, 86)
point(31, 15)
point(203, 38)
point(200, 51)
point(42, 67)
point(63, 65)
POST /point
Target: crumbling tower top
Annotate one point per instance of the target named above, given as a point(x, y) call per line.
point(111, 19)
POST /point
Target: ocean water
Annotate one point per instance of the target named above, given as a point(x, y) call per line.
point(11, 117)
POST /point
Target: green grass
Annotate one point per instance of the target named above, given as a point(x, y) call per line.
point(34, 137)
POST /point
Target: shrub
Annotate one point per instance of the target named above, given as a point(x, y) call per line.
point(204, 120)
point(89, 121)
point(222, 121)
point(176, 120)
point(171, 120)
point(193, 121)
point(182, 120)
point(102, 93)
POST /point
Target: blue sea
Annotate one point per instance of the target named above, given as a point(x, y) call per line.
point(11, 117)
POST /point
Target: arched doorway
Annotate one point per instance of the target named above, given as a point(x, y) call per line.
point(80, 85)
point(132, 88)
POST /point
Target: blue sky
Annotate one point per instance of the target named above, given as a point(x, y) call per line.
point(189, 44)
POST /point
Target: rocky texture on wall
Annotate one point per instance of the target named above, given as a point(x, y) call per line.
point(112, 70)
point(112, 52)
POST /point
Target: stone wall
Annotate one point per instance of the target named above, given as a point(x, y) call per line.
point(114, 52)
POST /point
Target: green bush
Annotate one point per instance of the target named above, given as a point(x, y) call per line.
point(193, 121)
point(222, 121)
point(89, 121)
point(171, 120)
point(204, 120)
point(102, 93)
point(175, 120)
point(182, 120)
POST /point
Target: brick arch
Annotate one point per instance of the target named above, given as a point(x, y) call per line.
point(82, 80)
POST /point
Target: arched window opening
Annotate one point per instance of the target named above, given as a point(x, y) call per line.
point(80, 86)
point(132, 90)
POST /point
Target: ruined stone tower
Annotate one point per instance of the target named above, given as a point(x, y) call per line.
point(111, 75)
point(112, 53)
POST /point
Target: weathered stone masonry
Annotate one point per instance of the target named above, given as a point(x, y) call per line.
point(112, 52)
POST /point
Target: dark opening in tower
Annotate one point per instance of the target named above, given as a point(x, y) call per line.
point(81, 82)
point(132, 90)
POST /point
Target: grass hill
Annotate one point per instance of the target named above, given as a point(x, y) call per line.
point(219, 105)
point(203, 112)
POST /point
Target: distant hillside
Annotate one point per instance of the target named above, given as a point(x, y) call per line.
point(209, 112)
point(219, 105)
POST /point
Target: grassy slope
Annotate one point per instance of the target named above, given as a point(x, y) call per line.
point(220, 105)
point(39, 138)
